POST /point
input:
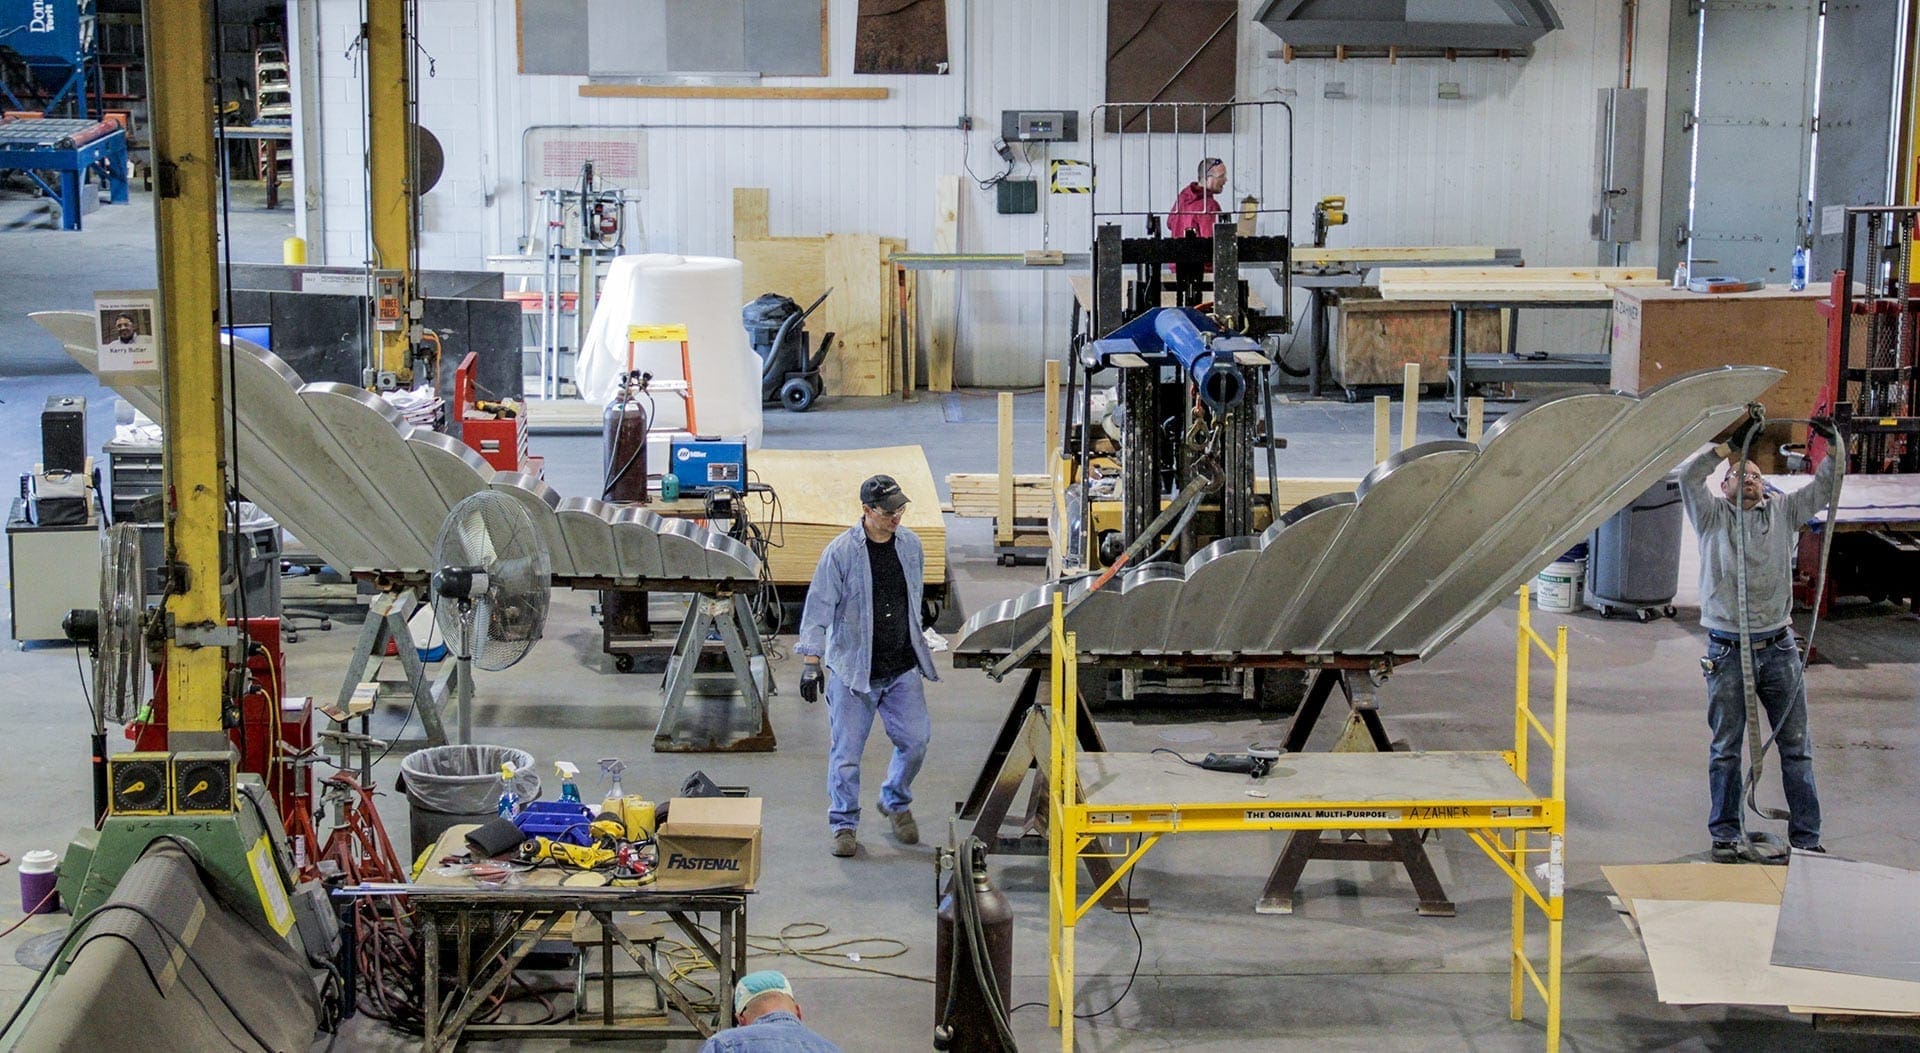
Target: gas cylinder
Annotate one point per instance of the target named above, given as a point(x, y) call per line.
point(971, 1022)
point(624, 439)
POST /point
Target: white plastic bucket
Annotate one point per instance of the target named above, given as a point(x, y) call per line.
point(1559, 587)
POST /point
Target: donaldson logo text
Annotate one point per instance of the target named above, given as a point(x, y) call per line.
point(42, 20)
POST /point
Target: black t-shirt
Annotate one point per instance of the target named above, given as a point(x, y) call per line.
point(893, 623)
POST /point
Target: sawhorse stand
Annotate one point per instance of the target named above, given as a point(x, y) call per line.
point(386, 623)
point(1019, 750)
point(1405, 847)
point(729, 617)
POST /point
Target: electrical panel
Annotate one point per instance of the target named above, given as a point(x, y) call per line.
point(1038, 126)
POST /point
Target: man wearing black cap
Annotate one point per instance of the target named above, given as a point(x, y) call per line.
point(861, 635)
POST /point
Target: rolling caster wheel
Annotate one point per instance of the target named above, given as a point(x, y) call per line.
point(1606, 613)
point(623, 663)
point(1643, 615)
point(1667, 610)
point(797, 395)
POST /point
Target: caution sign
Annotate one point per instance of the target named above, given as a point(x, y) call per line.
point(1069, 177)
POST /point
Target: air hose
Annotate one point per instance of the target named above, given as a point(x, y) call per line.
point(1756, 746)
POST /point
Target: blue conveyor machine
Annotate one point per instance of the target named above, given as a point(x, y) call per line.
point(1203, 350)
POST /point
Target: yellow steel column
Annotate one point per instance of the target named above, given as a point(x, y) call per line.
point(179, 64)
point(390, 201)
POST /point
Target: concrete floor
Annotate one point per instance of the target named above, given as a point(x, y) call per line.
point(1354, 968)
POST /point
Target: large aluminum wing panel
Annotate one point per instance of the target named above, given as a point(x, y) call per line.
point(338, 466)
point(1610, 470)
point(1433, 540)
point(1537, 439)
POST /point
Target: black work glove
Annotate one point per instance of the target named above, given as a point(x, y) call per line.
point(1750, 425)
point(810, 681)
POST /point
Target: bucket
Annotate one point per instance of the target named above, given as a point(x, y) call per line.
point(39, 870)
point(450, 785)
point(1558, 588)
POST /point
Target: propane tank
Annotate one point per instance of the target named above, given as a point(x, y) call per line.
point(971, 1022)
point(624, 438)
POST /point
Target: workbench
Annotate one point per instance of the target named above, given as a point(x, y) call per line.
point(1320, 270)
point(71, 147)
point(1876, 541)
point(270, 137)
point(512, 921)
point(1510, 289)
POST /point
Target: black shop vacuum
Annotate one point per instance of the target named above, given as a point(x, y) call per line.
point(789, 373)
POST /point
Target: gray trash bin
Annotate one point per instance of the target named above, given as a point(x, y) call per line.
point(449, 785)
point(1633, 563)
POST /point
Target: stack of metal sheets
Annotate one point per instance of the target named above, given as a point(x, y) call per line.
point(340, 468)
point(1433, 539)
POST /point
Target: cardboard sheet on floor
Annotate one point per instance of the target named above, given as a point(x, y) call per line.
point(1721, 953)
point(1845, 916)
point(1696, 881)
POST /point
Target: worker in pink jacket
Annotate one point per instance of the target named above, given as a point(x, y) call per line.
point(1196, 210)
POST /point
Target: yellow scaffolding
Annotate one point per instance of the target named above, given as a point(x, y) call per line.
point(1487, 795)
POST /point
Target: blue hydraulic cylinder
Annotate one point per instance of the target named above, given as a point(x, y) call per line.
point(1204, 350)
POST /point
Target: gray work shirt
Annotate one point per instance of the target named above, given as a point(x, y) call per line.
point(837, 624)
point(1772, 527)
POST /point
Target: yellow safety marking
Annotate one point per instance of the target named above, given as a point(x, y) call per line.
point(638, 334)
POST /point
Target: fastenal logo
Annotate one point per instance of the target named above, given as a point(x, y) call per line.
point(677, 861)
point(42, 20)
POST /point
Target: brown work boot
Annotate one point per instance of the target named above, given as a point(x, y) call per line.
point(905, 830)
point(843, 843)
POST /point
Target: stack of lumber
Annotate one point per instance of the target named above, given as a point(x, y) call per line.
point(864, 309)
point(819, 494)
point(1511, 283)
point(977, 494)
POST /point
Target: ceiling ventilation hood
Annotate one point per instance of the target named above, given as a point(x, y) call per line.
point(1311, 27)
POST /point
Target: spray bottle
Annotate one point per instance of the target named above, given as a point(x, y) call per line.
point(569, 790)
point(635, 812)
point(509, 800)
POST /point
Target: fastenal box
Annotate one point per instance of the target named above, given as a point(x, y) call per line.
point(710, 842)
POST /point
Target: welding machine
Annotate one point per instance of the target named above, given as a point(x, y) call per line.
point(703, 464)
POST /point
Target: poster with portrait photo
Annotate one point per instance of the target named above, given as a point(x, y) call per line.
point(127, 336)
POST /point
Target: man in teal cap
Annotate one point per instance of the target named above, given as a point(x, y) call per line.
point(769, 1020)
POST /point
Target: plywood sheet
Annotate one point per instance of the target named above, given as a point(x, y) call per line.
point(792, 267)
point(1720, 953)
point(853, 267)
point(1307, 254)
point(1844, 916)
point(1696, 881)
point(941, 299)
point(820, 499)
point(750, 214)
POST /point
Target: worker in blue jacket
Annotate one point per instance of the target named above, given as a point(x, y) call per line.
point(861, 635)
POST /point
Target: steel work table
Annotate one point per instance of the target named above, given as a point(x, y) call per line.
point(1513, 367)
point(513, 920)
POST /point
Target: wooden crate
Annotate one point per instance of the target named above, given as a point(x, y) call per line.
point(1372, 339)
point(1659, 334)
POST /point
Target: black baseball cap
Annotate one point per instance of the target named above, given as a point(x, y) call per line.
point(883, 493)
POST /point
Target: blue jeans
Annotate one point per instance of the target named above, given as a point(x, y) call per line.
point(902, 705)
point(1783, 697)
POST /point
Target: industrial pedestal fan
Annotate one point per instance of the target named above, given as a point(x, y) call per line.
point(490, 591)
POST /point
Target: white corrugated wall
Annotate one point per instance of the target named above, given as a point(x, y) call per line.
point(1510, 163)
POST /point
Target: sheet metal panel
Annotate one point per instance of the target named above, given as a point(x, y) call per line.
point(1435, 538)
point(338, 467)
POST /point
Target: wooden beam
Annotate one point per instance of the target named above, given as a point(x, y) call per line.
point(941, 298)
point(1003, 522)
point(1410, 406)
point(723, 91)
point(1382, 428)
point(1052, 434)
point(1476, 417)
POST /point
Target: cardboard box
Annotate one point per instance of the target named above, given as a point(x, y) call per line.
point(710, 842)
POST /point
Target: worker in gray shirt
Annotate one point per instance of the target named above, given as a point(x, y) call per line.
point(1772, 522)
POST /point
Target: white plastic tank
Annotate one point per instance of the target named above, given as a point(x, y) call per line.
point(702, 293)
